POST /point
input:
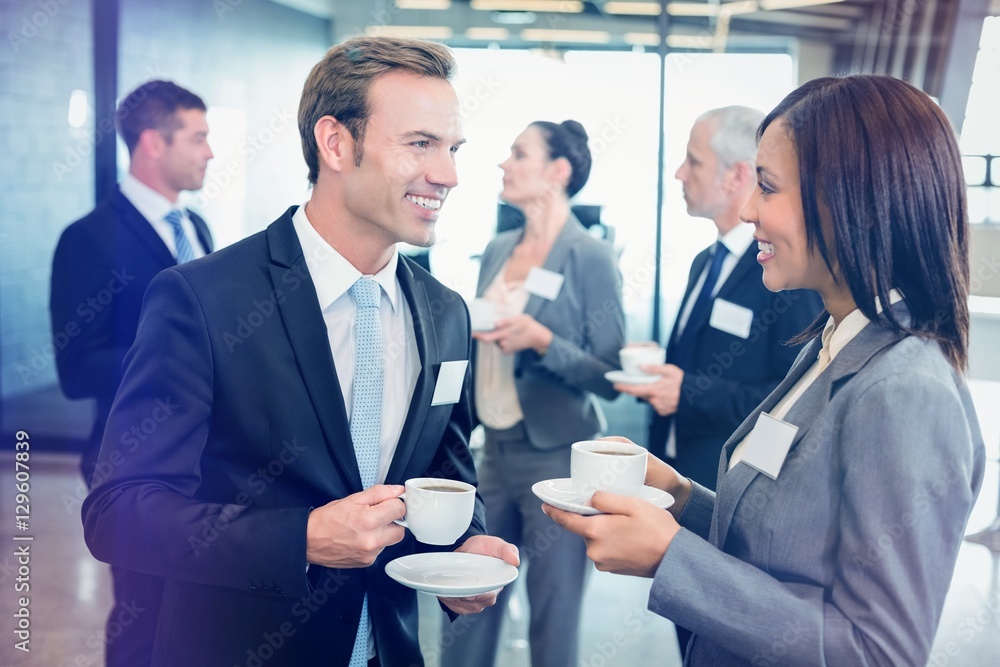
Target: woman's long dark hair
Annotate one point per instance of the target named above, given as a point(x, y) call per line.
point(880, 158)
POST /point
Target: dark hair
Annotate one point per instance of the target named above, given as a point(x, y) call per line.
point(153, 106)
point(568, 139)
point(879, 158)
point(338, 85)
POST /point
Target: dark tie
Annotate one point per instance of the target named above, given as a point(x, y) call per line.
point(679, 349)
point(680, 352)
point(366, 411)
point(184, 251)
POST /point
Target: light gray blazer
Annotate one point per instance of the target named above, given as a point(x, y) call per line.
point(845, 559)
point(588, 326)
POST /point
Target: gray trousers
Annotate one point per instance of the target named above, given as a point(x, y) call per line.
point(557, 559)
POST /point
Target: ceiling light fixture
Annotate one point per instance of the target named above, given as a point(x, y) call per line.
point(487, 34)
point(633, 8)
point(689, 41)
point(642, 39)
point(771, 5)
point(692, 9)
point(410, 31)
point(423, 4)
point(561, 36)
point(551, 6)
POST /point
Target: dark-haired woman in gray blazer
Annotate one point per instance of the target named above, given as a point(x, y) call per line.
point(843, 498)
point(557, 291)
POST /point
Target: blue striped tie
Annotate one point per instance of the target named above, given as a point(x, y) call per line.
point(184, 251)
point(366, 411)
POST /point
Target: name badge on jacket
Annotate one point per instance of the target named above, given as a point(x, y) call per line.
point(448, 389)
point(768, 444)
point(732, 319)
point(544, 283)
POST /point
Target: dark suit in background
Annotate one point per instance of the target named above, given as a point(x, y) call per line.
point(102, 266)
point(726, 376)
point(216, 501)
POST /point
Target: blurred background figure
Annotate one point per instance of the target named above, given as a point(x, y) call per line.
point(557, 294)
point(102, 266)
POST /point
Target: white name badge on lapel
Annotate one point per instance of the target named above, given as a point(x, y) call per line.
point(544, 283)
point(768, 444)
point(732, 319)
point(448, 389)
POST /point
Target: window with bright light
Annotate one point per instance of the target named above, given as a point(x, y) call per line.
point(980, 140)
point(616, 98)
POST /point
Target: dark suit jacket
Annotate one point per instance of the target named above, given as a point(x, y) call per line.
point(229, 427)
point(102, 266)
point(726, 376)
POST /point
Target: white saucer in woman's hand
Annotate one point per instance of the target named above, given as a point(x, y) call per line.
point(561, 494)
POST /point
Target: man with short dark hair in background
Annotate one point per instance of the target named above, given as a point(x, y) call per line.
point(102, 266)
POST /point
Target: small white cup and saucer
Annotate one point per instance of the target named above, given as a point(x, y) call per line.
point(438, 512)
point(632, 359)
point(483, 315)
point(601, 465)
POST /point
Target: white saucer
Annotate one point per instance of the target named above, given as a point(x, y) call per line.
point(560, 493)
point(625, 378)
point(451, 574)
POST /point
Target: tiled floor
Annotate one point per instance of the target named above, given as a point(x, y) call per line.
point(70, 591)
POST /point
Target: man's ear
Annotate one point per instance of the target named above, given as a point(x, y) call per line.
point(737, 177)
point(335, 143)
point(151, 143)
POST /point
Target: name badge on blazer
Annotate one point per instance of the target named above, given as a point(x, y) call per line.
point(448, 389)
point(544, 283)
point(732, 319)
point(768, 445)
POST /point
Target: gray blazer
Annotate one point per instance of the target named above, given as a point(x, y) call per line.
point(588, 326)
point(846, 558)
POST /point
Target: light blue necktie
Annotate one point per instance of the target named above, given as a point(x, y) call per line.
point(366, 411)
point(184, 251)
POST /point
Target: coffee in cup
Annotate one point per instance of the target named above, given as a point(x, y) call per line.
point(438, 511)
point(606, 465)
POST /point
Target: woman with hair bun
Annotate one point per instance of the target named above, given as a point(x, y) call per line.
point(558, 293)
point(843, 498)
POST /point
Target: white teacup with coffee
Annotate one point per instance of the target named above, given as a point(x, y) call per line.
point(607, 465)
point(438, 511)
point(634, 357)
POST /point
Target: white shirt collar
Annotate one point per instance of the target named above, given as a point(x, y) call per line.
point(738, 239)
point(150, 203)
point(836, 337)
point(331, 273)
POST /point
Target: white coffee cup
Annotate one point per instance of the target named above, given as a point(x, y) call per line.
point(632, 358)
point(438, 511)
point(482, 315)
point(606, 465)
